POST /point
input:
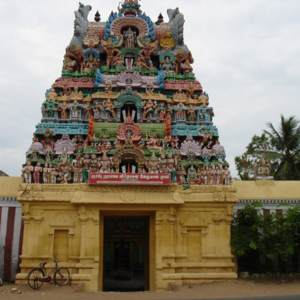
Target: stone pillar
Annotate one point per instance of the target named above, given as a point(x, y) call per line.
point(165, 245)
point(89, 248)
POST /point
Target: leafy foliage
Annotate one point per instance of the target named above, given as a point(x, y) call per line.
point(266, 243)
point(258, 147)
point(286, 141)
point(281, 148)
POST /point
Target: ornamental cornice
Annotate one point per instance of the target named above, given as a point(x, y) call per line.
point(216, 194)
point(154, 96)
point(105, 95)
point(152, 195)
point(280, 201)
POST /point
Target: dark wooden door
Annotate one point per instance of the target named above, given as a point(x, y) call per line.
point(126, 253)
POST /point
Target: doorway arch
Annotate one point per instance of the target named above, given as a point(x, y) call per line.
point(129, 102)
point(129, 160)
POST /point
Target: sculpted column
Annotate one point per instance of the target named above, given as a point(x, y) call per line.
point(89, 247)
point(32, 248)
point(165, 245)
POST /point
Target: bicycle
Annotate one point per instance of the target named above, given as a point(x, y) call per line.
point(38, 276)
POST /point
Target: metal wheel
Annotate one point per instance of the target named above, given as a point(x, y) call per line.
point(62, 277)
point(34, 279)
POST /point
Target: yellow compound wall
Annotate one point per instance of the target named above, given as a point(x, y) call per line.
point(189, 229)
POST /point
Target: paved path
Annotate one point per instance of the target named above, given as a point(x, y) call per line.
point(253, 298)
point(232, 290)
point(269, 298)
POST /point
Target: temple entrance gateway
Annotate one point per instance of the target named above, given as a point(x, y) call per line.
point(126, 163)
point(126, 253)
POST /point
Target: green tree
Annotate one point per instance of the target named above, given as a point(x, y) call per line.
point(266, 242)
point(281, 148)
point(259, 146)
point(286, 142)
point(292, 236)
point(245, 238)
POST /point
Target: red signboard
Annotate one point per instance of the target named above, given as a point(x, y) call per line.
point(96, 178)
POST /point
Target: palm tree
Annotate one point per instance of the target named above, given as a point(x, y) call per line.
point(286, 142)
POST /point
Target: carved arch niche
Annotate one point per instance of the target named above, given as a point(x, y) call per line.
point(121, 23)
point(129, 160)
point(129, 105)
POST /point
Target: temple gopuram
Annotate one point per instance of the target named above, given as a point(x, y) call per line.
point(126, 182)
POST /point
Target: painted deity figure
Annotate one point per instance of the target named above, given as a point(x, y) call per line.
point(77, 170)
point(63, 109)
point(64, 157)
point(192, 174)
point(60, 175)
point(94, 163)
point(186, 66)
point(27, 173)
point(205, 175)
point(144, 59)
point(37, 173)
point(181, 175)
point(227, 177)
point(116, 59)
point(153, 143)
point(167, 64)
point(191, 114)
point(65, 172)
point(130, 38)
point(162, 112)
point(149, 109)
point(152, 164)
point(175, 142)
point(46, 174)
point(48, 143)
point(200, 175)
point(106, 163)
point(109, 108)
point(75, 111)
point(184, 61)
point(214, 175)
point(211, 174)
point(85, 169)
point(100, 108)
point(96, 112)
point(53, 175)
point(173, 174)
point(90, 64)
point(180, 114)
point(219, 175)
point(263, 168)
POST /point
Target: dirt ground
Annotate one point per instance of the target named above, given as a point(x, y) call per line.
point(229, 289)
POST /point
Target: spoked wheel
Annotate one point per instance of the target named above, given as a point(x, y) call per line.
point(62, 277)
point(35, 279)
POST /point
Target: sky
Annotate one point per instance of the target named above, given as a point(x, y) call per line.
point(246, 52)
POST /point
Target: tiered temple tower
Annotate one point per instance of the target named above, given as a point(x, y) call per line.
point(126, 182)
point(127, 108)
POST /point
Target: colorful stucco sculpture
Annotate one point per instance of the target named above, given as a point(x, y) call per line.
point(132, 75)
